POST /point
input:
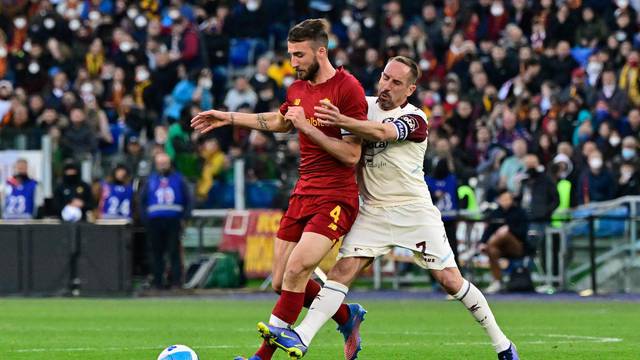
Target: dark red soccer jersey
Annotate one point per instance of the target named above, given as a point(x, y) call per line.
point(321, 173)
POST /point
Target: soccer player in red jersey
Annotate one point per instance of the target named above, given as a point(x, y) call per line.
point(324, 202)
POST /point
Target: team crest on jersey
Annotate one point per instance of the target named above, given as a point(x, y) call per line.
point(411, 122)
point(296, 102)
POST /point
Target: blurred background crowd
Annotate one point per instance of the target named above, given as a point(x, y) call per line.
point(520, 94)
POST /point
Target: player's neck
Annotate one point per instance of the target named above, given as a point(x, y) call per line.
point(326, 72)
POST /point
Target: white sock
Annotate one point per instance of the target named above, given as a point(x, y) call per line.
point(477, 305)
point(321, 310)
point(276, 321)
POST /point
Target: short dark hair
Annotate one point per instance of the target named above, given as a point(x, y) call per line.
point(315, 30)
point(415, 70)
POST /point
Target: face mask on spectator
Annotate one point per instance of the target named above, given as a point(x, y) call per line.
point(594, 68)
point(49, 23)
point(34, 67)
point(626, 173)
point(451, 98)
point(3, 52)
point(497, 9)
point(74, 24)
point(347, 20)
point(22, 177)
point(20, 22)
point(132, 13)
point(253, 5)
point(142, 76)
point(206, 83)
point(331, 44)
point(614, 141)
point(141, 21)
point(126, 46)
point(595, 163)
point(628, 154)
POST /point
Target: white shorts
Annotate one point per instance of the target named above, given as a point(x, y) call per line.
point(416, 227)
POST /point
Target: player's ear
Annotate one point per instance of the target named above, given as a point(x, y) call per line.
point(411, 89)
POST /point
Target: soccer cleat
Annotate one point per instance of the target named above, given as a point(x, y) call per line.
point(254, 357)
point(283, 338)
point(510, 354)
point(351, 331)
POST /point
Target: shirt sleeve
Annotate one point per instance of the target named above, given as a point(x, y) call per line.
point(353, 102)
point(411, 127)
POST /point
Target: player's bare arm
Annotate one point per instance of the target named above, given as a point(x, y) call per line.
point(347, 150)
point(212, 119)
point(329, 114)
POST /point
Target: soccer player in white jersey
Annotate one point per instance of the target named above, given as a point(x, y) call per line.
point(396, 210)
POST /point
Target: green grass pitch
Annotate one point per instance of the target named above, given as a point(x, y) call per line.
point(138, 329)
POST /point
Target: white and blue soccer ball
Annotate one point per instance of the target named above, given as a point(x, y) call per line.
point(178, 352)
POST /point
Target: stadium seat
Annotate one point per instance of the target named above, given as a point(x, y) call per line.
point(261, 194)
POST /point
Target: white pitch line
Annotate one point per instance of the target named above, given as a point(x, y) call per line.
point(570, 339)
point(84, 349)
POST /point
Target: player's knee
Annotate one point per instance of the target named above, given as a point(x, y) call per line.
point(298, 270)
point(451, 283)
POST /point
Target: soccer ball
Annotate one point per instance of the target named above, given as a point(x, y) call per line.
point(178, 352)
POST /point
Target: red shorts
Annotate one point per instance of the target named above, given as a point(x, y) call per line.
point(330, 216)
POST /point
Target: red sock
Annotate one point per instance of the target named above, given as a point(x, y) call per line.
point(266, 351)
point(289, 306)
point(313, 288)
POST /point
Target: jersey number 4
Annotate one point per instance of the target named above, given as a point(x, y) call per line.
point(335, 215)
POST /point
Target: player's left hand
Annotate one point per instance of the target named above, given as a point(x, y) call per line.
point(328, 114)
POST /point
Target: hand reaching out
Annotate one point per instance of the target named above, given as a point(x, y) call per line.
point(211, 119)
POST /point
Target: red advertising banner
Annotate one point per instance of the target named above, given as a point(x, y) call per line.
point(252, 233)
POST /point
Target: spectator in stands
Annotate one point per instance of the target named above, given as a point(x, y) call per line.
point(116, 195)
point(240, 94)
point(512, 169)
point(73, 192)
point(630, 125)
point(213, 163)
point(264, 86)
point(6, 92)
point(628, 153)
point(135, 158)
point(505, 236)
point(260, 157)
point(595, 182)
point(611, 100)
point(18, 195)
point(164, 203)
point(538, 195)
point(78, 140)
point(181, 144)
point(628, 180)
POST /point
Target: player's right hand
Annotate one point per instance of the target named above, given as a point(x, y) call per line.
point(209, 120)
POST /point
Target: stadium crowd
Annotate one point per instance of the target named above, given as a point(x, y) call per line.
point(520, 94)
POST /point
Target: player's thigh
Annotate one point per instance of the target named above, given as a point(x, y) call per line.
point(281, 251)
point(370, 235)
point(510, 246)
point(294, 219)
point(308, 253)
point(332, 216)
point(419, 228)
point(347, 269)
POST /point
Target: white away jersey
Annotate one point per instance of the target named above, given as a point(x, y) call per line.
point(391, 173)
